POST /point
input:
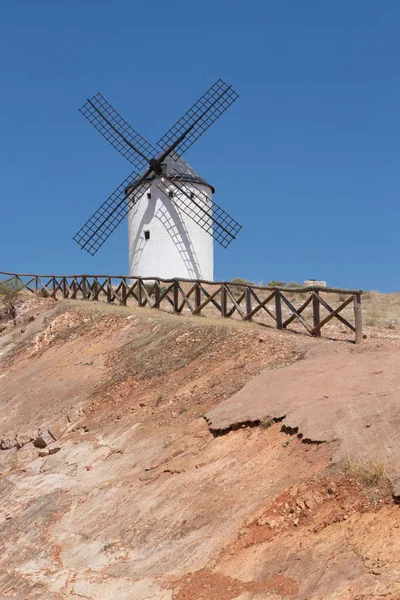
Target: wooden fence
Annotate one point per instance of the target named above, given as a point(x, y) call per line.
point(276, 305)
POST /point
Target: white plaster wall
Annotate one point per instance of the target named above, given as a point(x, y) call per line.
point(178, 247)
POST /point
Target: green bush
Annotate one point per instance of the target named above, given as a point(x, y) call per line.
point(151, 289)
point(293, 284)
point(11, 286)
point(242, 281)
point(237, 290)
point(9, 289)
point(275, 283)
point(44, 293)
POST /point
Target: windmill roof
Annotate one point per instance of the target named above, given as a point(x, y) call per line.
point(185, 171)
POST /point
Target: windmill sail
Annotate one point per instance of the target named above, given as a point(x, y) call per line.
point(201, 209)
point(217, 99)
point(99, 112)
point(102, 223)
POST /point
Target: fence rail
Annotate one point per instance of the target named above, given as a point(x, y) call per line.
point(230, 299)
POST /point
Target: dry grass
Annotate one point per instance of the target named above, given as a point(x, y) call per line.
point(266, 422)
point(89, 307)
point(370, 473)
point(381, 310)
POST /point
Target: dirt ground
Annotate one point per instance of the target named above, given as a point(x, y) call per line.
point(115, 485)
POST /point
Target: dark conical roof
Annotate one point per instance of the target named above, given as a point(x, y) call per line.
point(186, 172)
point(176, 163)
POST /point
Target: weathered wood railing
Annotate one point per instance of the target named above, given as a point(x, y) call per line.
point(229, 299)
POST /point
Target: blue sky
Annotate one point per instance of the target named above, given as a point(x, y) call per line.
point(307, 159)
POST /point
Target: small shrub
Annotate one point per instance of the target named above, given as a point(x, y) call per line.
point(11, 286)
point(237, 290)
point(266, 422)
point(242, 281)
point(9, 290)
point(43, 293)
point(9, 311)
point(275, 283)
point(294, 284)
point(371, 321)
point(369, 473)
point(151, 289)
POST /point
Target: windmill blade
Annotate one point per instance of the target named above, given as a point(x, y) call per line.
point(201, 209)
point(217, 99)
point(99, 112)
point(102, 223)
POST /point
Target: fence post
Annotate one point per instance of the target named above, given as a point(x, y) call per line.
point(84, 289)
point(123, 291)
point(197, 297)
point(316, 312)
point(140, 291)
point(157, 294)
point(248, 303)
point(278, 309)
point(358, 318)
point(176, 296)
point(109, 290)
point(224, 298)
point(95, 289)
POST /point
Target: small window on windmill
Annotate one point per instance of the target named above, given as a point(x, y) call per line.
point(146, 234)
point(148, 195)
point(170, 194)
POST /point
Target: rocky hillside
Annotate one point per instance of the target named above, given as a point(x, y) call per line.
point(150, 456)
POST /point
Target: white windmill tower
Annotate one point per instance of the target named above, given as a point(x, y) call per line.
point(164, 241)
point(172, 216)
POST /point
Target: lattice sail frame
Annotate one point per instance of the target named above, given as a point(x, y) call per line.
point(99, 112)
point(201, 209)
point(102, 223)
point(217, 99)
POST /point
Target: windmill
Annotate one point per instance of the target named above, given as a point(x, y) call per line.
point(172, 218)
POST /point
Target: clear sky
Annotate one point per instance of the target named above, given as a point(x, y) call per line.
point(307, 159)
